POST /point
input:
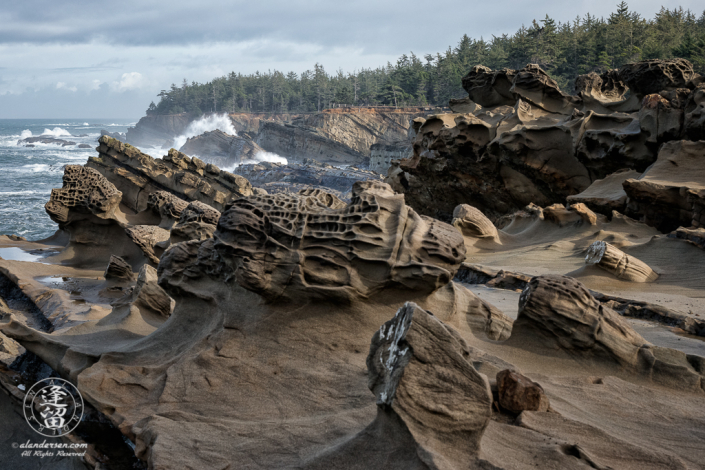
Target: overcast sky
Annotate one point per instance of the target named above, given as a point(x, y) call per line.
point(100, 59)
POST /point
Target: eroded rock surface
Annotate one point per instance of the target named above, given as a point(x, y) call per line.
point(425, 388)
point(294, 247)
point(138, 175)
point(519, 140)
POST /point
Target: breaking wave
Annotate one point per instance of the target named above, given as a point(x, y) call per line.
point(55, 132)
point(205, 124)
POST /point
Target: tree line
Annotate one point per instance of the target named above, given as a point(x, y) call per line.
point(563, 50)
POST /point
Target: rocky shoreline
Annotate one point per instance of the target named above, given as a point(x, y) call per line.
point(484, 307)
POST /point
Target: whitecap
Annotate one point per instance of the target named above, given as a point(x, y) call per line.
point(205, 124)
point(23, 193)
point(56, 132)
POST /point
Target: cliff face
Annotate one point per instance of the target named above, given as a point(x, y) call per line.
point(297, 142)
point(250, 122)
point(335, 136)
point(155, 131)
point(360, 128)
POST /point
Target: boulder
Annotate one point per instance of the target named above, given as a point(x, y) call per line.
point(557, 313)
point(419, 371)
point(473, 223)
point(147, 294)
point(119, 270)
point(519, 393)
point(618, 263)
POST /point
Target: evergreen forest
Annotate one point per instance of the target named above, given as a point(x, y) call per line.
point(563, 50)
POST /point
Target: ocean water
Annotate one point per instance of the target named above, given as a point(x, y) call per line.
point(27, 175)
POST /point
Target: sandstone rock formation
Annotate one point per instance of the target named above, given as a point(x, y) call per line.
point(118, 269)
point(559, 313)
point(426, 389)
point(520, 140)
point(519, 393)
point(606, 195)
point(473, 223)
point(138, 175)
point(618, 263)
point(656, 75)
point(670, 193)
point(288, 248)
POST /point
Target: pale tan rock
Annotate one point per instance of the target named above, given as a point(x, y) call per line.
point(419, 372)
point(148, 295)
point(618, 263)
point(472, 223)
point(299, 247)
point(147, 238)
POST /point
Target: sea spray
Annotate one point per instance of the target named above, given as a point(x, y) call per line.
point(207, 123)
point(260, 157)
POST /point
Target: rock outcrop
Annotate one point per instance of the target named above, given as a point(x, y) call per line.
point(519, 393)
point(426, 390)
point(559, 313)
point(157, 130)
point(519, 140)
point(671, 193)
point(297, 142)
point(621, 265)
point(30, 141)
point(138, 175)
point(296, 248)
point(221, 149)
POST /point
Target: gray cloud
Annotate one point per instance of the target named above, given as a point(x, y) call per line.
point(90, 45)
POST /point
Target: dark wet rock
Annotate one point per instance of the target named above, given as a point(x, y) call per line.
point(46, 140)
point(221, 149)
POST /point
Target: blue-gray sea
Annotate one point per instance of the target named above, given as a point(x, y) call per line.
point(27, 175)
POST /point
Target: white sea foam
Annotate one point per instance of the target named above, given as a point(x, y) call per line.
point(23, 193)
point(25, 133)
point(271, 157)
point(260, 157)
point(56, 132)
point(36, 167)
point(205, 124)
